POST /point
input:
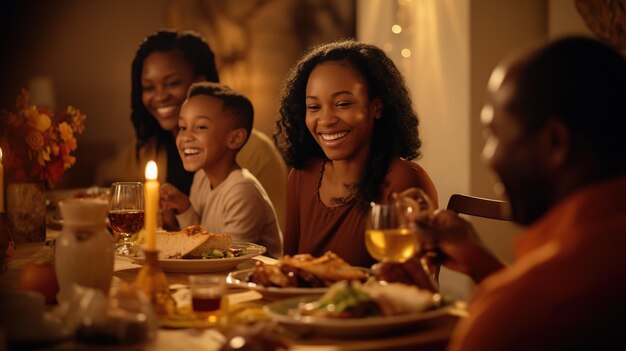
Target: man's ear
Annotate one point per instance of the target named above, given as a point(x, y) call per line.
point(556, 143)
point(237, 138)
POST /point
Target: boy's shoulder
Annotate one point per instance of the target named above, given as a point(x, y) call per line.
point(242, 178)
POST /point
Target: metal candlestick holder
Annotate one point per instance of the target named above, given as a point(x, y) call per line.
point(152, 281)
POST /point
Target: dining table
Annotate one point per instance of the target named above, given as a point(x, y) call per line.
point(431, 334)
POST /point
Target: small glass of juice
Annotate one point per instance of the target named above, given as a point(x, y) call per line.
point(207, 293)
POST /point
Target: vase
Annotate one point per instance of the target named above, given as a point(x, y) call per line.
point(26, 211)
point(7, 245)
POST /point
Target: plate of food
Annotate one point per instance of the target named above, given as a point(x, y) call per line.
point(296, 275)
point(53, 218)
point(54, 196)
point(194, 250)
point(352, 310)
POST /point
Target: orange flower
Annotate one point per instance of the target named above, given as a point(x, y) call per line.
point(68, 161)
point(34, 139)
point(39, 144)
point(65, 131)
point(54, 149)
point(78, 119)
point(44, 156)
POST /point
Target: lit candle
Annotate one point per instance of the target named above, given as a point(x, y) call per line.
point(151, 189)
point(1, 184)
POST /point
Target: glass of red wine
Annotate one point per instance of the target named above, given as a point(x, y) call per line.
point(126, 214)
point(207, 295)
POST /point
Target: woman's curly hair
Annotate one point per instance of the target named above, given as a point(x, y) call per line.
point(395, 134)
point(192, 48)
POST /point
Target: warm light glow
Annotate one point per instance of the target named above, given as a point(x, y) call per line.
point(151, 171)
point(151, 190)
point(406, 53)
point(486, 115)
point(237, 342)
point(496, 79)
point(0, 155)
point(498, 189)
point(387, 47)
point(490, 148)
point(396, 28)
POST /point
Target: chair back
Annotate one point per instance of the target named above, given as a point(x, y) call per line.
point(479, 207)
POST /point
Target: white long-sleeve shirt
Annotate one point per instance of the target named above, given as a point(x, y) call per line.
point(239, 206)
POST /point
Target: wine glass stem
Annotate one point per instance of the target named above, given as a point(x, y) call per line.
point(126, 239)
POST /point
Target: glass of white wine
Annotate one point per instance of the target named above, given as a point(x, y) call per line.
point(392, 231)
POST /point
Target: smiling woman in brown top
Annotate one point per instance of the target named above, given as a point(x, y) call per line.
point(348, 129)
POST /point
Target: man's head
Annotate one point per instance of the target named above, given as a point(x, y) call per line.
point(557, 118)
point(215, 123)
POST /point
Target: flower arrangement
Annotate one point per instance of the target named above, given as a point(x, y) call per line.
point(38, 144)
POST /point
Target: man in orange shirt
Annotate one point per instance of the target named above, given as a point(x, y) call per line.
point(556, 118)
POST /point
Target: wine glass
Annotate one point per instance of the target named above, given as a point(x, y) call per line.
point(126, 213)
point(392, 232)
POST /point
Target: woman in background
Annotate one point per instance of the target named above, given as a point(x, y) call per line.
point(348, 129)
point(164, 67)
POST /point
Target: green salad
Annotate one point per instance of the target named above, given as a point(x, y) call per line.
point(230, 253)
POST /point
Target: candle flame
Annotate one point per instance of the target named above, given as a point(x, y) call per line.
point(151, 170)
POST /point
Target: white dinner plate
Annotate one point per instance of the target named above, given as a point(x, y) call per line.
point(240, 279)
point(187, 265)
point(348, 327)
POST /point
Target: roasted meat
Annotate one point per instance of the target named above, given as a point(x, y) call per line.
point(305, 271)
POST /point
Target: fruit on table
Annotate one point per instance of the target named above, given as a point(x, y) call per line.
point(39, 276)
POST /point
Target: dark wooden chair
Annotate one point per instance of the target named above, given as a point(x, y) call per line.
point(479, 207)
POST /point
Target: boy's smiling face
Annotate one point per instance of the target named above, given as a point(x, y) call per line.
point(204, 135)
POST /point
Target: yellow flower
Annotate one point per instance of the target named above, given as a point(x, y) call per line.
point(39, 121)
point(68, 161)
point(44, 156)
point(78, 119)
point(72, 144)
point(66, 131)
point(34, 139)
point(54, 148)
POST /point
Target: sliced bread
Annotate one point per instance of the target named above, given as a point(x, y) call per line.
point(193, 241)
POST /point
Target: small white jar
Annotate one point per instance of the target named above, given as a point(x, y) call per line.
point(84, 249)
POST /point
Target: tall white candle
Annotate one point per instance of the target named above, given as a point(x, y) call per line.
point(151, 189)
point(1, 184)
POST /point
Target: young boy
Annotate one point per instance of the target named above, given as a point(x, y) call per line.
point(214, 124)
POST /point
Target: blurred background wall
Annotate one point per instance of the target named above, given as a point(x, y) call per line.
point(74, 52)
point(79, 53)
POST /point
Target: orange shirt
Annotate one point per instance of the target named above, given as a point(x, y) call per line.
point(567, 287)
point(314, 228)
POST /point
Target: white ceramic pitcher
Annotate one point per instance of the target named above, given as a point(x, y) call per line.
point(84, 249)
